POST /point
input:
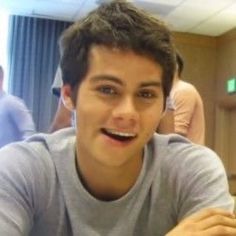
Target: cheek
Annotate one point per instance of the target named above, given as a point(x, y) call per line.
point(152, 120)
point(90, 114)
point(84, 114)
point(154, 114)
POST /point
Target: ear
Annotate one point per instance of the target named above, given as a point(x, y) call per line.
point(66, 93)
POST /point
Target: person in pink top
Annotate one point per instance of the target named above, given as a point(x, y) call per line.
point(184, 113)
point(189, 120)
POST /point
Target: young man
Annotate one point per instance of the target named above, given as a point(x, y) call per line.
point(114, 176)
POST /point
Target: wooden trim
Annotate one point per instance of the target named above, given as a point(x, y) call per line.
point(228, 37)
point(228, 102)
point(194, 39)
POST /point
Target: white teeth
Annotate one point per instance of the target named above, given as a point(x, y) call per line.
point(121, 133)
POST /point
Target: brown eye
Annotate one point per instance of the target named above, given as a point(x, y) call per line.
point(147, 94)
point(107, 90)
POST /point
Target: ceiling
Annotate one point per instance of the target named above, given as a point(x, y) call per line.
point(206, 17)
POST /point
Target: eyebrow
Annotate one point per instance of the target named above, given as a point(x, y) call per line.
point(151, 83)
point(106, 78)
point(118, 81)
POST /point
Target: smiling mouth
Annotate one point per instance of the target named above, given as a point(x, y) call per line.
point(119, 136)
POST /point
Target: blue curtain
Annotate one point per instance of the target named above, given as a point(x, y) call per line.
point(33, 58)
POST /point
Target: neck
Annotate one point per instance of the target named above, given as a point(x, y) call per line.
point(105, 182)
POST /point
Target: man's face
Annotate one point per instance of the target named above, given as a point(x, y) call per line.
point(119, 105)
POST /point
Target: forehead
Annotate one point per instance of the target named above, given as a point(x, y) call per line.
point(102, 51)
point(122, 63)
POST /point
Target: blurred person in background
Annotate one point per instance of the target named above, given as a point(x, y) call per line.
point(184, 113)
point(167, 122)
point(15, 119)
point(189, 116)
point(62, 117)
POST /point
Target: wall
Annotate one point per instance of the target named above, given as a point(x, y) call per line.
point(225, 136)
point(226, 66)
point(199, 53)
point(209, 62)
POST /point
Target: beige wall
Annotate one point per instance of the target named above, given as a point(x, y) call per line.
point(226, 66)
point(199, 53)
point(209, 62)
point(226, 105)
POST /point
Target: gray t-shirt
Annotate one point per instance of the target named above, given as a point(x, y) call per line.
point(41, 194)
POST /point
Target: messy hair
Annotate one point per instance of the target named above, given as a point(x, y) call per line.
point(121, 25)
point(180, 64)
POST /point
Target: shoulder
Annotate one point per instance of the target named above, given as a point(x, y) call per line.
point(179, 154)
point(52, 143)
point(25, 160)
point(186, 88)
point(185, 93)
point(13, 102)
point(34, 155)
point(27, 168)
point(193, 175)
point(26, 174)
point(12, 98)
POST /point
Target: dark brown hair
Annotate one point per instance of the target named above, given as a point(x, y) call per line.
point(180, 64)
point(116, 24)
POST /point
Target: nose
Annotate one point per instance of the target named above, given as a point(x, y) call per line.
point(125, 112)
